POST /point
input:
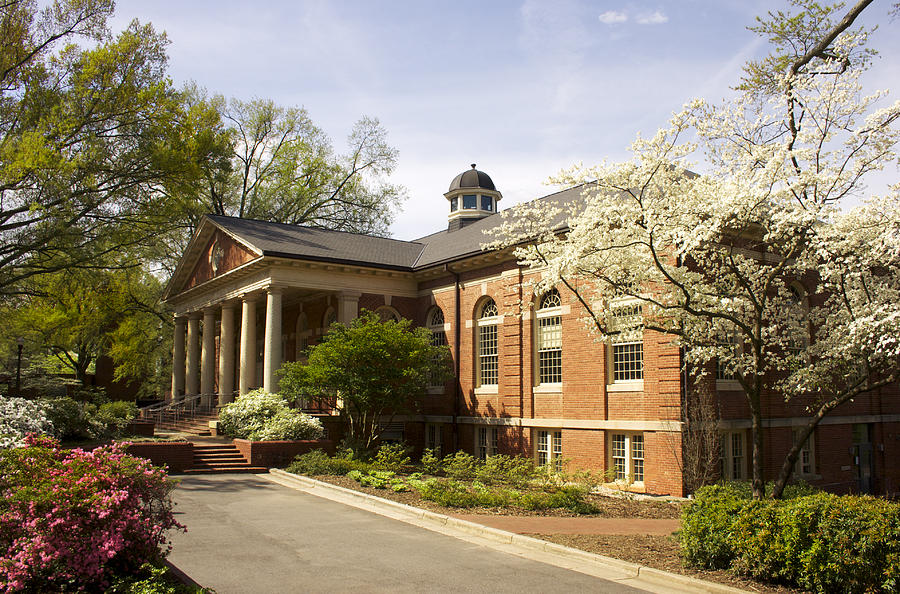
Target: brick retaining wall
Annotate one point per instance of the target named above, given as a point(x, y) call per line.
point(177, 455)
point(279, 453)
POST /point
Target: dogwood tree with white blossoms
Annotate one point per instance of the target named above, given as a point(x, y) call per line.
point(759, 264)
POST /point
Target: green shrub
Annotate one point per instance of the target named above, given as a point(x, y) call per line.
point(517, 471)
point(391, 456)
point(571, 497)
point(819, 542)
point(460, 466)
point(69, 419)
point(431, 463)
point(706, 525)
point(317, 462)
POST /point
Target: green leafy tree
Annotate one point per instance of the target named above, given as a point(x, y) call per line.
point(94, 140)
point(75, 317)
point(369, 371)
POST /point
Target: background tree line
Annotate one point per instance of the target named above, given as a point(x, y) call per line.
point(106, 168)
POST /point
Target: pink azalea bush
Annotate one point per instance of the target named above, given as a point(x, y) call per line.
point(73, 520)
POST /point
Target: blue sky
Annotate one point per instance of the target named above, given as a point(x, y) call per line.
point(523, 89)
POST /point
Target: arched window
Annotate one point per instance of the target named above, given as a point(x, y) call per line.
point(435, 321)
point(488, 319)
point(549, 338)
point(388, 314)
point(329, 318)
point(436, 325)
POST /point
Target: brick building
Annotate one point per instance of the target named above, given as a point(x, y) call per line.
point(530, 379)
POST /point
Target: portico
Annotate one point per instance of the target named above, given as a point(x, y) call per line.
point(238, 309)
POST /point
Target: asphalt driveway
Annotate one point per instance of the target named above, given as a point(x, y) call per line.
point(249, 535)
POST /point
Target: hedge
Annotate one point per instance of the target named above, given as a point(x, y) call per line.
point(821, 542)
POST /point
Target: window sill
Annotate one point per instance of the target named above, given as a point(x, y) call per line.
point(547, 389)
point(634, 386)
point(489, 389)
point(807, 477)
point(434, 390)
point(728, 386)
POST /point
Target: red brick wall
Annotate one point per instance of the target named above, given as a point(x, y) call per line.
point(177, 455)
point(278, 453)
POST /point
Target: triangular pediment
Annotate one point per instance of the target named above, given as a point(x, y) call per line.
point(212, 252)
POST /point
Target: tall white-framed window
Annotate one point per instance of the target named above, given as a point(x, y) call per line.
point(487, 337)
point(436, 324)
point(303, 335)
point(627, 322)
point(486, 442)
point(434, 439)
point(726, 341)
point(734, 455)
point(548, 338)
point(548, 448)
point(627, 457)
point(806, 460)
point(798, 340)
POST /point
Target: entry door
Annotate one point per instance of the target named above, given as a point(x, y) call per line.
point(864, 467)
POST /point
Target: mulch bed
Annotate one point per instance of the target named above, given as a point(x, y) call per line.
point(659, 552)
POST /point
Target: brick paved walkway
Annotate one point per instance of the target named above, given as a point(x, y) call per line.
point(554, 525)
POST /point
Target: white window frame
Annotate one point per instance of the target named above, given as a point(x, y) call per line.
point(387, 313)
point(630, 334)
point(632, 453)
point(434, 438)
point(438, 327)
point(805, 466)
point(734, 455)
point(485, 442)
point(549, 310)
point(548, 448)
point(487, 322)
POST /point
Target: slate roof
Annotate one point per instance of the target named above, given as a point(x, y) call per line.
point(309, 243)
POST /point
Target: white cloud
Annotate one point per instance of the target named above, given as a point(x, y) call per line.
point(611, 17)
point(652, 18)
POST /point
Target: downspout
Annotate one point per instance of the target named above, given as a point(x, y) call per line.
point(456, 349)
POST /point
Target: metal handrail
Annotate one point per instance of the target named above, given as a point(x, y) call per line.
point(185, 409)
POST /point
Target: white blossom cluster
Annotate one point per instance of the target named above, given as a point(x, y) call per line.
point(762, 263)
point(19, 417)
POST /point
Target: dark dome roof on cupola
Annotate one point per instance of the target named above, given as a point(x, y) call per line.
point(472, 178)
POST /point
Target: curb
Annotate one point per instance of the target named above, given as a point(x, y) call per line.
point(408, 513)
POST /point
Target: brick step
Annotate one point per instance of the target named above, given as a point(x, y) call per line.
point(227, 469)
point(229, 459)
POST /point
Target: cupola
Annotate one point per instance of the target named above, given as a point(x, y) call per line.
point(472, 196)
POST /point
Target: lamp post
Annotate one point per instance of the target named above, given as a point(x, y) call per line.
point(20, 342)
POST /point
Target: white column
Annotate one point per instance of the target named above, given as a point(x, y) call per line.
point(226, 355)
point(248, 345)
point(208, 357)
point(272, 348)
point(178, 358)
point(348, 306)
point(193, 355)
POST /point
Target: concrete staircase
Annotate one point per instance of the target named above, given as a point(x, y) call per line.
point(221, 459)
point(198, 425)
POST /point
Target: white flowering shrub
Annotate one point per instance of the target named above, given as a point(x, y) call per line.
point(19, 417)
point(263, 416)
